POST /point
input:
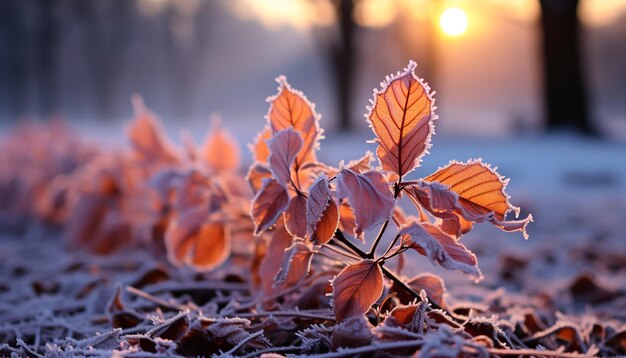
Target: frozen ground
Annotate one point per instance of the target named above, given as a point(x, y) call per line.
point(572, 270)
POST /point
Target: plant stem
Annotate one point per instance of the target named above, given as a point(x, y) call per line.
point(390, 274)
point(396, 193)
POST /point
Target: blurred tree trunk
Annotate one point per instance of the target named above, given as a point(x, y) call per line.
point(106, 35)
point(14, 57)
point(48, 36)
point(339, 51)
point(565, 90)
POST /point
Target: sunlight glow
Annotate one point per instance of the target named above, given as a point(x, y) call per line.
point(453, 21)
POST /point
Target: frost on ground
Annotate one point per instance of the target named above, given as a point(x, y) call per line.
point(154, 249)
point(562, 291)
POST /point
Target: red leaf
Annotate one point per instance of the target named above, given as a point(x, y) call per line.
point(295, 265)
point(295, 216)
point(322, 215)
point(284, 147)
point(401, 116)
point(220, 151)
point(356, 288)
point(440, 248)
point(268, 204)
point(369, 196)
point(289, 108)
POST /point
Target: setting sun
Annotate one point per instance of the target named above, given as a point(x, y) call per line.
point(453, 21)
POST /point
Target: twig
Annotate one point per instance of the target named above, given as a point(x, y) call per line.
point(300, 314)
point(533, 352)
point(242, 343)
point(151, 298)
point(271, 350)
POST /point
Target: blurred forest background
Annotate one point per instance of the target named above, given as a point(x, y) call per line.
point(520, 66)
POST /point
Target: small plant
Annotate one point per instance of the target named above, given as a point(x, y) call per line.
point(309, 208)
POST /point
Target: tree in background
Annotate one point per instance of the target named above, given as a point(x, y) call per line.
point(566, 103)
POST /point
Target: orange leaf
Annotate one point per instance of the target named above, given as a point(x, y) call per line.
point(255, 176)
point(259, 148)
point(289, 108)
point(322, 215)
point(401, 116)
point(220, 151)
point(295, 216)
point(280, 240)
point(146, 135)
point(369, 196)
point(432, 284)
point(480, 194)
point(295, 265)
point(196, 240)
point(284, 147)
point(440, 248)
point(268, 204)
point(356, 288)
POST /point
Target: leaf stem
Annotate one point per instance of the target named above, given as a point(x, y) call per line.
point(390, 274)
point(396, 193)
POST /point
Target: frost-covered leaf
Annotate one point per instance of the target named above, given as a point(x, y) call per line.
point(279, 241)
point(146, 135)
point(172, 329)
point(220, 151)
point(322, 215)
point(352, 332)
point(401, 116)
point(256, 174)
point(295, 216)
point(289, 108)
point(369, 196)
point(196, 240)
point(440, 248)
point(260, 150)
point(356, 288)
point(284, 147)
point(347, 223)
point(476, 194)
point(268, 204)
point(295, 265)
point(433, 286)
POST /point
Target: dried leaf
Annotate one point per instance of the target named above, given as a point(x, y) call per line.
point(295, 265)
point(194, 239)
point(284, 147)
point(220, 151)
point(401, 116)
point(255, 176)
point(295, 216)
point(146, 135)
point(480, 193)
point(289, 108)
point(347, 221)
point(322, 215)
point(356, 288)
point(280, 240)
point(259, 148)
point(433, 286)
point(369, 196)
point(440, 248)
point(268, 204)
point(353, 332)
